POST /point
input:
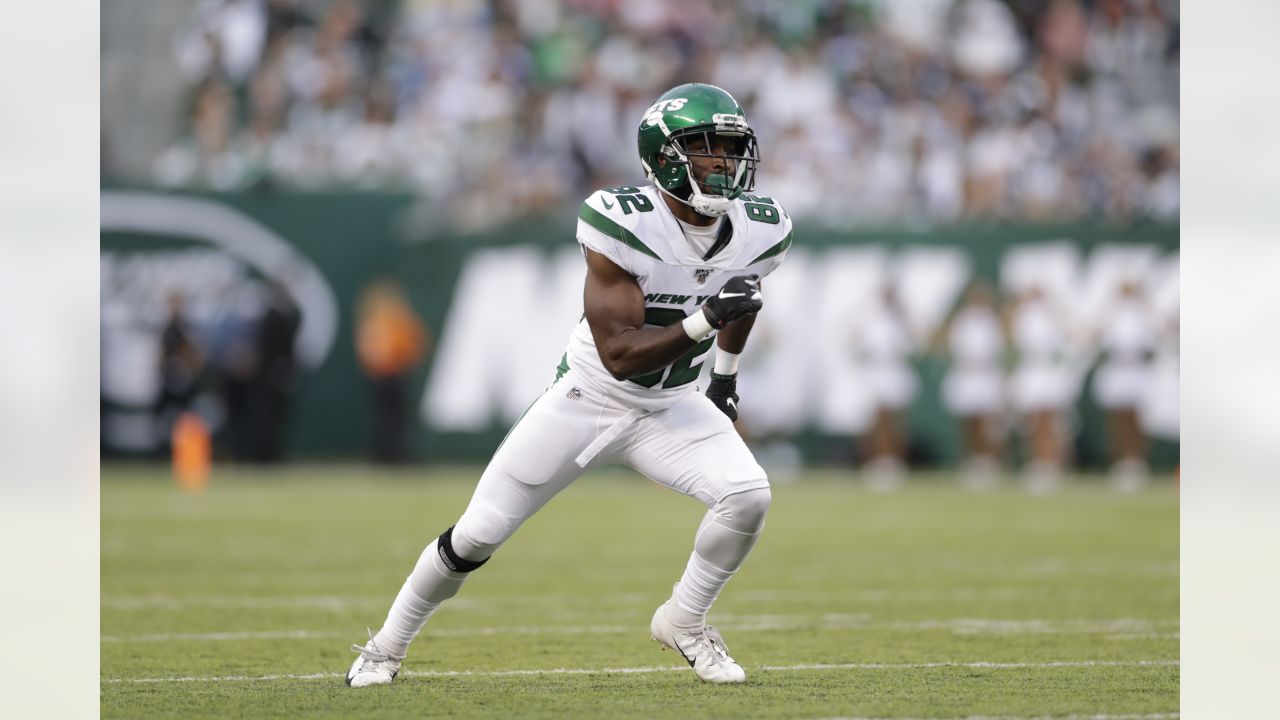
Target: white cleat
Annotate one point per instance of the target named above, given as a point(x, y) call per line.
point(374, 666)
point(702, 648)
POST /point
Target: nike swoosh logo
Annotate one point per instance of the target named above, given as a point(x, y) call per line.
point(681, 651)
point(729, 295)
point(607, 205)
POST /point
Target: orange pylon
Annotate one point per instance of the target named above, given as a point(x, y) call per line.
point(192, 453)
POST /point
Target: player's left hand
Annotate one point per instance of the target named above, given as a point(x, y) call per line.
point(738, 298)
point(723, 391)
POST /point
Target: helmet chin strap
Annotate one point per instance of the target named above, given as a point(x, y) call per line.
point(708, 205)
point(711, 207)
point(702, 204)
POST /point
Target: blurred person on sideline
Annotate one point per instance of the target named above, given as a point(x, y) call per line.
point(180, 365)
point(885, 349)
point(973, 390)
point(276, 378)
point(234, 360)
point(391, 342)
point(1128, 338)
point(1042, 385)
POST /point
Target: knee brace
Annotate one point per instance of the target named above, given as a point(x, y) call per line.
point(745, 511)
point(452, 559)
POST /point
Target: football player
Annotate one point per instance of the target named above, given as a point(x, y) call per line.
point(671, 269)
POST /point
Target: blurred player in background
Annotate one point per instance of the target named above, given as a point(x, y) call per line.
point(668, 265)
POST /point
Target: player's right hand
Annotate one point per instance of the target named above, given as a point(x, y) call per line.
point(739, 297)
point(723, 392)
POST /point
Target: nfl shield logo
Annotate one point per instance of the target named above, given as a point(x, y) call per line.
point(701, 275)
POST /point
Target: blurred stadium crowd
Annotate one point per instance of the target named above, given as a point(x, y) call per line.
point(869, 112)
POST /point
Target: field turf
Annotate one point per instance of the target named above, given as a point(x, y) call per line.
point(929, 602)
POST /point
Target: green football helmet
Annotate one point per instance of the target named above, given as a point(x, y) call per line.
point(680, 125)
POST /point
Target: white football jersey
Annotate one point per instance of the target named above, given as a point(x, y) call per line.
point(634, 228)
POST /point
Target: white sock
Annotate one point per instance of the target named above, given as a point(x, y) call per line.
point(718, 552)
point(426, 588)
point(698, 588)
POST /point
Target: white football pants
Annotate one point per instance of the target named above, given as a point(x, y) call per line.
point(690, 447)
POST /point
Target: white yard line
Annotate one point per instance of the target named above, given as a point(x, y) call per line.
point(982, 626)
point(977, 664)
point(160, 602)
point(672, 668)
point(1146, 636)
point(216, 636)
point(1148, 716)
point(1119, 628)
point(336, 603)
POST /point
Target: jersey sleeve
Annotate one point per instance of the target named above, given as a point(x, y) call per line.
point(602, 229)
point(771, 258)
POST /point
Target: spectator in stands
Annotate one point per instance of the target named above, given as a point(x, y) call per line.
point(391, 342)
point(224, 41)
point(931, 112)
point(205, 158)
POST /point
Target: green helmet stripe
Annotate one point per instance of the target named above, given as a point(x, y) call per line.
point(597, 220)
point(778, 249)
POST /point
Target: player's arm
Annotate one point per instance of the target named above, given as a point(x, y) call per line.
point(614, 305)
point(732, 340)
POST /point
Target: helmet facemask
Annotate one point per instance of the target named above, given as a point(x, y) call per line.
point(712, 195)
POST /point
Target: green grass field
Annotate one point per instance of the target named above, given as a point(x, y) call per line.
point(930, 602)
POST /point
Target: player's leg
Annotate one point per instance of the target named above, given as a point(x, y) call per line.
point(693, 448)
point(534, 462)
